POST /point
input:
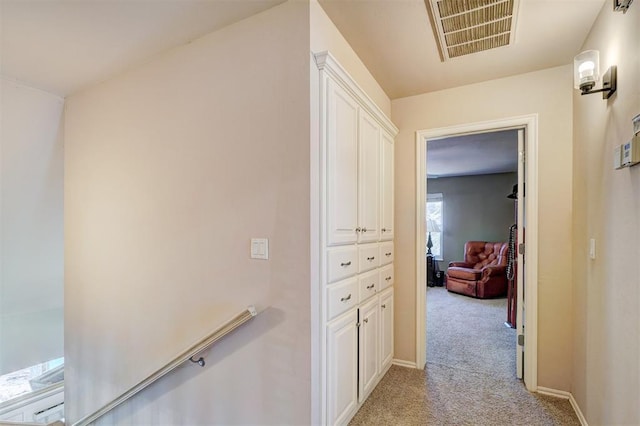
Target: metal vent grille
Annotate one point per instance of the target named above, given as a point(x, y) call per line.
point(463, 27)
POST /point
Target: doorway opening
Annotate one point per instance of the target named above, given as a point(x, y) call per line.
point(524, 346)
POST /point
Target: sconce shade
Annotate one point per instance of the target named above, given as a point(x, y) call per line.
point(586, 70)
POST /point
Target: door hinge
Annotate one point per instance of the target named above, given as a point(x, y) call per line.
point(520, 339)
point(523, 156)
point(521, 248)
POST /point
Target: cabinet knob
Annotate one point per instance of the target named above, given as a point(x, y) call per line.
point(388, 254)
point(358, 229)
point(371, 258)
point(365, 320)
point(384, 229)
point(388, 279)
point(344, 299)
point(345, 263)
point(384, 306)
point(364, 229)
point(369, 287)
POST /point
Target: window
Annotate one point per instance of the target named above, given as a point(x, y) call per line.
point(32, 378)
point(435, 224)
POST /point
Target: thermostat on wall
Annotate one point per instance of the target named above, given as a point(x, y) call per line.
point(631, 152)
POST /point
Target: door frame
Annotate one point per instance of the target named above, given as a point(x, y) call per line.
point(530, 125)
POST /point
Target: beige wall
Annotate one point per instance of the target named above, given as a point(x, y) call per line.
point(547, 93)
point(31, 232)
point(171, 168)
point(325, 36)
point(606, 379)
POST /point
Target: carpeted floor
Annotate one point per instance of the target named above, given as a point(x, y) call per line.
point(470, 374)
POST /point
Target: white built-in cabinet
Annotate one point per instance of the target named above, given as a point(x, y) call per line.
point(386, 188)
point(356, 185)
point(368, 344)
point(369, 148)
point(342, 351)
point(386, 329)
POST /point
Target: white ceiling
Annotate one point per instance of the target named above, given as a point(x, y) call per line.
point(478, 154)
point(395, 41)
point(62, 46)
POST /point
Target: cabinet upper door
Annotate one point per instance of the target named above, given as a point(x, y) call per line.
point(342, 368)
point(342, 166)
point(369, 347)
point(368, 178)
point(386, 187)
point(386, 329)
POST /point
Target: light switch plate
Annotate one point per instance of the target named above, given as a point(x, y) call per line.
point(260, 248)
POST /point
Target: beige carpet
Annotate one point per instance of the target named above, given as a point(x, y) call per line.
point(470, 374)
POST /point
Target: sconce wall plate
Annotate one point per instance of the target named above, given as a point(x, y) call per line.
point(621, 5)
point(609, 83)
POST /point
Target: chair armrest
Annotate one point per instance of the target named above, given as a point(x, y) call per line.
point(461, 265)
point(494, 270)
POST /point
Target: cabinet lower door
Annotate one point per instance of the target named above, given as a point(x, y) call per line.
point(369, 349)
point(386, 329)
point(342, 368)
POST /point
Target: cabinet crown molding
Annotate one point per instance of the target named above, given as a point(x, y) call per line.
point(326, 62)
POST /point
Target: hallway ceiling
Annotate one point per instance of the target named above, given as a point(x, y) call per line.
point(395, 40)
point(62, 46)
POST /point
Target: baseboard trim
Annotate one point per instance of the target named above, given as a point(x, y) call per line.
point(565, 395)
point(403, 363)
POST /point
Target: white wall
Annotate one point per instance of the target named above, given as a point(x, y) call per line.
point(31, 231)
point(475, 208)
point(547, 93)
point(171, 168)
point(606, 205)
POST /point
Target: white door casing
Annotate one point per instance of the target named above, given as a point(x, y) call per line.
point(530, 125)
point(520, 306)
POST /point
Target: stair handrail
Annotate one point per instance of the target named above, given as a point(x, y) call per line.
point(183, 357)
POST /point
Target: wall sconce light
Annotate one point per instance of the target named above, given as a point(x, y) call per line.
point(621, 5)
point(586, 73)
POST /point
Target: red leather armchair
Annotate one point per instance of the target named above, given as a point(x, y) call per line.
point(483, 272)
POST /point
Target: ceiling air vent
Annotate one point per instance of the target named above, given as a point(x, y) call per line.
point(463, 27)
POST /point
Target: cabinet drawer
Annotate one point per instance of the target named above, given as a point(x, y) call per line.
point(368, 257)
point(386, 276)
point(342, 262)
point(369, 284)
point(342, 297)
point(386, 253)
